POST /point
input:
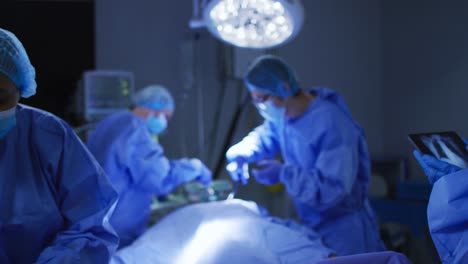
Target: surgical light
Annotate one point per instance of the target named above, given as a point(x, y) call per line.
point(254, 23)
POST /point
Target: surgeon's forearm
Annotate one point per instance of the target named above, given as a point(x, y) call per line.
point(263, 141)
point(259, 147)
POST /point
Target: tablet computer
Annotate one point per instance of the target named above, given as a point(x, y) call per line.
point(446, 146)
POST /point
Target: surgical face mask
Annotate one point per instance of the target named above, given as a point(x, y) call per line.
point(7, 121)
point(156, 124)
point(270, 112)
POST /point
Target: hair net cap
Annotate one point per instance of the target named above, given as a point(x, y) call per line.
point(15, 64)
point(154, 97)
point(269, 74)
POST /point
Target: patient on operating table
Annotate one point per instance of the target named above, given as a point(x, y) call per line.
point(231, 231)
point(236, 231)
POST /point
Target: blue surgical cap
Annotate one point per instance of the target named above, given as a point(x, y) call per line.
point(15, 64)
point(269, 74)
point(155, 97)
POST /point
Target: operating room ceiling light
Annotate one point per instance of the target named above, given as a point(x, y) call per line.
point(254, 23)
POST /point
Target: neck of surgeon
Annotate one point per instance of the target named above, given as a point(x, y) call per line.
point(297, 104)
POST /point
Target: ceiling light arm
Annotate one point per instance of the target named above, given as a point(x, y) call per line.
point(197, 14)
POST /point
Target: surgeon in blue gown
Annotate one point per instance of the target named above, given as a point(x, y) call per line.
point(325, 166)
point(447, 211)
point(55, 200)
point(126, 146)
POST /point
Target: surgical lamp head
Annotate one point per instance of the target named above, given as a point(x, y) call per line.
point(255, 24)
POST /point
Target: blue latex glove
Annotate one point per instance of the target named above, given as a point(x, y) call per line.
point(205, 177)
point(237, 156)
point(269, 172)
point(241, 152)
point(204, 174)
point(433, 167)
point(238, 171)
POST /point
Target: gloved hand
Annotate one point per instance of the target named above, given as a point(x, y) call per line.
point(433, 167)
point(238, 171)
point(269, 172)
point(203, 174)
point(240, 153)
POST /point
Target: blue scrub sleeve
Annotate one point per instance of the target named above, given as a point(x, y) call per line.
point(180, 172)
point(331, 178)
point(148, 166)
point(86, 200)
point(261, 143)
point(448, 216)
point(153, 172)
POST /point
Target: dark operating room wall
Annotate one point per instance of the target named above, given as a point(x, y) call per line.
point(59, 39)
point(425, 71)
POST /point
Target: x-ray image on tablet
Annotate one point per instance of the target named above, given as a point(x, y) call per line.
point(446, 146)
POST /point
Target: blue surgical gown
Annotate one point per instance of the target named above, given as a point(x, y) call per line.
point(447, 214)
point(137, 167)
point(55, 200)
point(384, 257)
point(326, 171)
